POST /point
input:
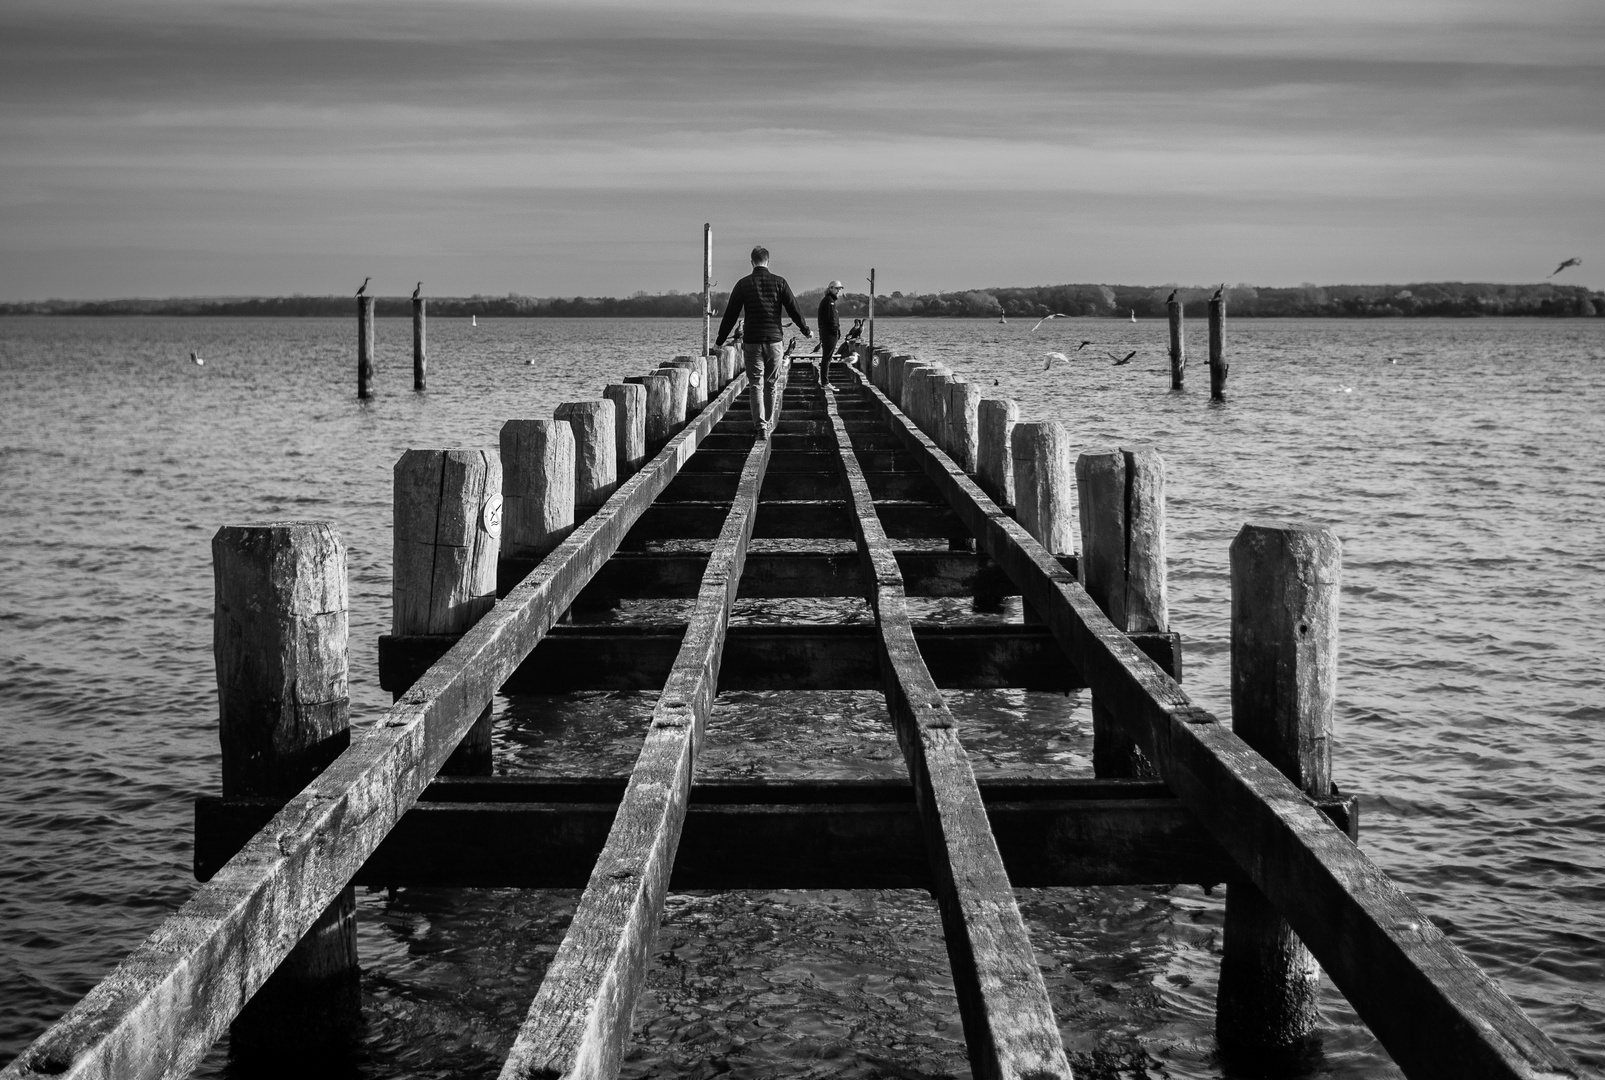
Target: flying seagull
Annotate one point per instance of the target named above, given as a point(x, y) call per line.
point(1052, 356)
point(364, 287)
point(1564, 265)
point(418, 290)
point(1122, 359)
point(1083, 345)
point(1045, 318)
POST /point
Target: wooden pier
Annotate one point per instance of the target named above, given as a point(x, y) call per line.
point(897, 482)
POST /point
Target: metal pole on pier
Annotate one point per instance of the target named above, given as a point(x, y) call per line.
point(707, 287)
point(872, 311)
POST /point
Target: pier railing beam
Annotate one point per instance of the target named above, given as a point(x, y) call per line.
point(364, 347)
point(1284, 681)
point(448, 520)
point(1122, 503)
point(279, 638)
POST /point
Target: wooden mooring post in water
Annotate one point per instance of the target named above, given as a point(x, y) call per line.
point(1218, 367)
point(420, 361)
point(1178, 344)
point(364, 347)
point(869, 506)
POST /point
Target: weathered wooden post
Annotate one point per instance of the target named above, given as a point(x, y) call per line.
point(905, 397)
point(963, 403)
point(1178, 346)
point(279, 639)
point(659, 408)
point(1218, 367)
point(364, 347)
point(538, 477)
point(679, 394)
point(1044, 505)
point(448, 524)
point(629, 419)
point(995, 419)
point(596, 457)
point(1122, 502)
point(730, 361)
point(937, 427)
point(696, 392)
point(420, 364)
point(1284, 681)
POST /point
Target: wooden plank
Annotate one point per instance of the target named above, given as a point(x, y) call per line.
point(803, 519)
point(1435, 1011)
point(160, 1011)
point(579, 1022)
point(510, 832)
point(709, 459)
point(795, 486)
point(1009, 1027)
point(629, 656)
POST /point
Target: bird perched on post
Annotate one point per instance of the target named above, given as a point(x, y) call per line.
point(1171, 299)
point(1564, 265)
point(1219, 292)
point(364, 286)
point(418, 290)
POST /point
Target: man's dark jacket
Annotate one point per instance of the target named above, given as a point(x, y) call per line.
point(829, 325)
point(759, 299)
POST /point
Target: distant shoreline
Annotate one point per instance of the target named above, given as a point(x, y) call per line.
point(1430, 299)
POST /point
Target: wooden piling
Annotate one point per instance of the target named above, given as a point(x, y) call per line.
point(1044, 506)
point(659, 423)
point(420, 363)
point(1284, 681)
point(963, 403)
point(696, 394)
point(537, 486)
point(279, 639)
point(995, 420)
point(1178, 345)
point(729, 364)
point(1218, 367)
point(1121, 496)
point(679, 394)
point(596, 469)
point(894, 376)
point(364, 347)
point(629, 419)
point(447, 528)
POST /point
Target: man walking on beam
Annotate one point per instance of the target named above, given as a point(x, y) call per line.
point(830, 330)
point(761, 299)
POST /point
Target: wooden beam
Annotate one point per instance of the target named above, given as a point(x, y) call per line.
point(1009, 1027)
point(160, 1011)
point(579, 1022)
point(511, 832)
point(821, 519)
point(635, 656)
point(1437, 1013)
point(795, 486)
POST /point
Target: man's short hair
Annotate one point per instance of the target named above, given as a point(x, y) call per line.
point(760, 254)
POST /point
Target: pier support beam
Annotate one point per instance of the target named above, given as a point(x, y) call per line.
point(1284, 680)
point(448, 521)
point(279, 638)
point(1122, 503)
point(420, 363)
point(364, 347)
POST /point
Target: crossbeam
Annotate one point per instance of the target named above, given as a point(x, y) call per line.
point(1438, 1014)
point(1009, 1028)
point(160, 1010)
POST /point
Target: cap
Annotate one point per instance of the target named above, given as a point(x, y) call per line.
point(834, 285)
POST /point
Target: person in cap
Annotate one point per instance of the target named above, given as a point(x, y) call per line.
point(761, 300)
point(830, 330)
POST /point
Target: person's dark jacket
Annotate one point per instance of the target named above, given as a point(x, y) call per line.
point(759, 298)
point(829, 325)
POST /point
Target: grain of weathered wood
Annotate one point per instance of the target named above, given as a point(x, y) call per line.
point(629, 414)
point(1040, 456)
point(1218, 367)
point(364, 346)
point(446, 529)
point(963, 435)
point(659, 408)
point(537, 485)
point(160, 1011)
point(595, 428)
point(579, 1022)
point(995, 420)
point(679, 394)
point(1285, 580)
point(1178, 344)
point(696, 393)
point(1008, 1023)
point(420, 359)
point(279, 640)
point(1435, 1011)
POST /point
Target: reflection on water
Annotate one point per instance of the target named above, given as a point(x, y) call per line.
point(1463, 480)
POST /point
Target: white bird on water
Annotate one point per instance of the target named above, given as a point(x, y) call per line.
point(1045, 318)
point(196, 357)
point(1133, 314)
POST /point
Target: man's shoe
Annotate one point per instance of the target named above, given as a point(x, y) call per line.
point(763, 431)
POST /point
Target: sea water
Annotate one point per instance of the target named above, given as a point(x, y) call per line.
point(1459, 461)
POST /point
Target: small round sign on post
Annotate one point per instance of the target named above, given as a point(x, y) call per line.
point(490, 516)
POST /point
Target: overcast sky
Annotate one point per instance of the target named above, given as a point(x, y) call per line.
point(222, 147)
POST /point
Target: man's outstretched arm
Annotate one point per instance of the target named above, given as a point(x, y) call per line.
point(790, 303)
point(732, 312)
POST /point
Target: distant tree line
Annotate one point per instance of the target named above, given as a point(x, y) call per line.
point(1242, 301)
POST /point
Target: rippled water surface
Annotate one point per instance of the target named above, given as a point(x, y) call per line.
point(1460, 462)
